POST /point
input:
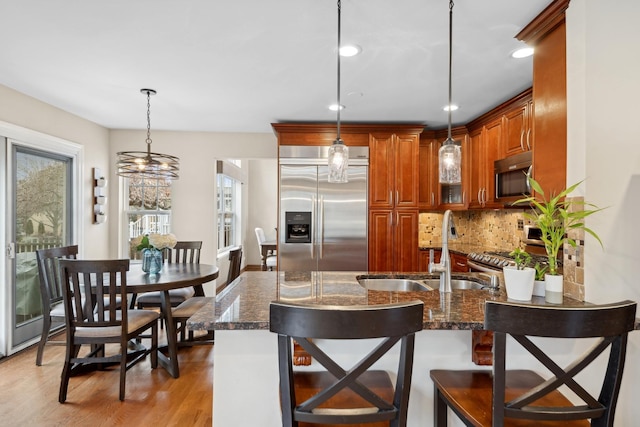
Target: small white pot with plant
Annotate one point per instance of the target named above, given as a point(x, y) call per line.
point(555, 217)
point(539, 284)
point(518, 279)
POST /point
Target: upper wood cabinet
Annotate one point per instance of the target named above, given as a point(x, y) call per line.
point(428, 191)
point(517, 123)
point(547, 34)
point(484, 143)
point(393, 170)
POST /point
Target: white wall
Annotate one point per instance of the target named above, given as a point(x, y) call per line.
point(263, 205)
point(194, 197)
point(29, 113)
point(603, 87)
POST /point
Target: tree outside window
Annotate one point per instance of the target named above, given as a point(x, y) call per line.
point(148, 210)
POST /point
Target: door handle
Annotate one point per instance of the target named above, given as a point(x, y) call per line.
point(11, 250)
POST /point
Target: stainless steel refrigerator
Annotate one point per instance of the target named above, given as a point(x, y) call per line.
point(322, 226)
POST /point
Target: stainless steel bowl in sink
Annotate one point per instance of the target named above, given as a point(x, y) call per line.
point(456, 284)
point(397, 285)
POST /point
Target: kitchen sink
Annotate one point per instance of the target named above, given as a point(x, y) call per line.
point(412, 285)
point(456, 284)
point(398, 285)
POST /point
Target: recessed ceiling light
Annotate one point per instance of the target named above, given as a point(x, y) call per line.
point(350, 50)
point(522, 53)
point(454, 107)
point(334, 107)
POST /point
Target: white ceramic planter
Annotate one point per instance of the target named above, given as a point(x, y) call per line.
point(553, 288)
point(519, 283)
point(539, 288)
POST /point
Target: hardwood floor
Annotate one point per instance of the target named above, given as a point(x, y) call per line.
point(29, 393)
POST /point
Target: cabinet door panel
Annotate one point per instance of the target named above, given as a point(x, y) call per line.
point(381, 240)
point(381, 171)
point(515, 131)
point(406, 170)
point(477, 160)
point(406, 240)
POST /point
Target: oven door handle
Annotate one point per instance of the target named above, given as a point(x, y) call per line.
point(481, 268)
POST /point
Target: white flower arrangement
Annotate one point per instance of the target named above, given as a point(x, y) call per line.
point(154, 241)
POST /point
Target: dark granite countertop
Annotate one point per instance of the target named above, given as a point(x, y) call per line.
point(244, 304)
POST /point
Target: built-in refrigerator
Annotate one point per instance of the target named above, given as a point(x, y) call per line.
point(322, 225)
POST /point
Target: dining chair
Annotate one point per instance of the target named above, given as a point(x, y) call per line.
point(184, 252)
point(90, 321)
point(184, 311)
point(271, 258)
point(517, 397)
point(51, 294)
point(339, 395)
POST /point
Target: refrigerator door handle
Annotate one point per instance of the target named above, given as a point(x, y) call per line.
point(321, 227)
point(314, 212)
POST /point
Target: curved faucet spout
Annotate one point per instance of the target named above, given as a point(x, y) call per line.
point(444, 266)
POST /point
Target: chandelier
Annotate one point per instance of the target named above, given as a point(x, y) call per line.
point(147, 164)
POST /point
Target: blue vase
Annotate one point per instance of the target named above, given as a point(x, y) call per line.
point(151, 261)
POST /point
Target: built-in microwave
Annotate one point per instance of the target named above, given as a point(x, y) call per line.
point(511, 176)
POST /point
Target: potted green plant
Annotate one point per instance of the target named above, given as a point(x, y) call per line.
point(518, 278)
point(539, 283)
point(555, 216)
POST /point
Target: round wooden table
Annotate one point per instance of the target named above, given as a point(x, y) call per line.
point(172, 276)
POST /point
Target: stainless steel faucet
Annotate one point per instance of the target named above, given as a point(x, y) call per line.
point(444, 266)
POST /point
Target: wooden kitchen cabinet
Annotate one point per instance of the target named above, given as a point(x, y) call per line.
point(428, 191)
point(518, 124)
point(483, 148)
point(393, 201)
point(393, 240)
point(424, 259)
point(547, 34)
point(458, 261)
point(393, 170)
point(453, 196)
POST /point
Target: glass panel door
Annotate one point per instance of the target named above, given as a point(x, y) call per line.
point(41, 218)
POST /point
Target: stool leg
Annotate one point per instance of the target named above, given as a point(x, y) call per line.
point(439, 409)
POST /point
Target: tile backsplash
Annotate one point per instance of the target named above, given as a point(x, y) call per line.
point(502, 230)
point(498, 229)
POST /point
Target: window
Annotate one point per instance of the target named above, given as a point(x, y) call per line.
point(229, 198)
point(148, 209)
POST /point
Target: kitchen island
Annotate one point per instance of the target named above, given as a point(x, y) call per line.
point(246, 366)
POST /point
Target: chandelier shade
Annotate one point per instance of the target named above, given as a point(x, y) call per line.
point(147, 164)
point(449, 156)
point(338, 160)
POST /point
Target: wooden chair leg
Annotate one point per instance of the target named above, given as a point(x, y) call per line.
point(46, 326)
point(154, 346)
point(439, 409)
point(123, 370)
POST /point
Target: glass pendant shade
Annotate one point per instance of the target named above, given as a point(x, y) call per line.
point(450, 161)
point(338, 162)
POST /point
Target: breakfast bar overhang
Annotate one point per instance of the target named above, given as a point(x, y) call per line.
point(246, 365)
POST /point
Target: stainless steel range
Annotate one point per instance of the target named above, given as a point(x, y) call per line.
point(488, 262)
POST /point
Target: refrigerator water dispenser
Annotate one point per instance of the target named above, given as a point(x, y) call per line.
point(298, 227)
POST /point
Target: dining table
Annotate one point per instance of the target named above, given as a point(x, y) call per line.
point(171, 276)
point(267, 248)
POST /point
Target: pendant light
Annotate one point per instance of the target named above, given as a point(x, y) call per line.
point(146, 164)
point(449, 157)
point(338, 152)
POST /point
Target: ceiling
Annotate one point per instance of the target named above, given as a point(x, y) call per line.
point(240, 65)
